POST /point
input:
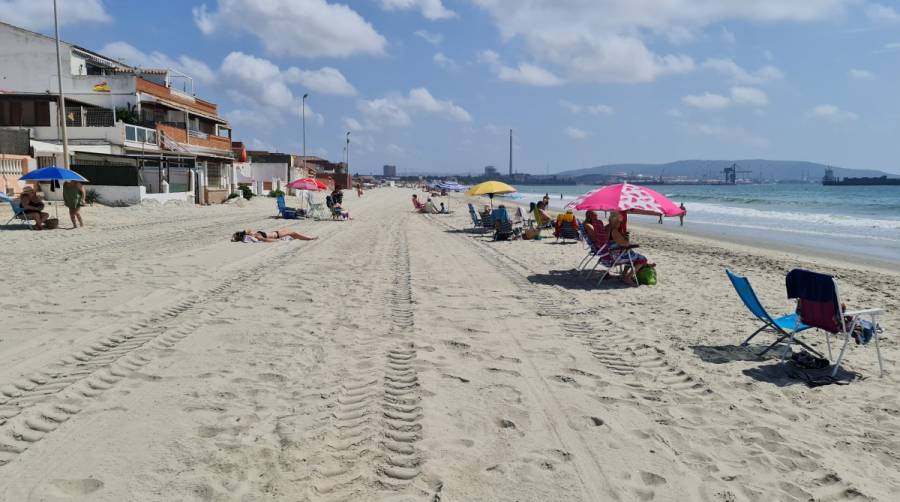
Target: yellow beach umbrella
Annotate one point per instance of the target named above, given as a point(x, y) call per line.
point(491, 188)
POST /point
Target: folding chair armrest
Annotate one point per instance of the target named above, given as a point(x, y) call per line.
point(630, 246)
point(875, 311)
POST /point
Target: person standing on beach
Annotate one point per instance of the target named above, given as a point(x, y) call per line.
point(660, 219)
point(680, 216)
point(74, 197)
point(546, 199)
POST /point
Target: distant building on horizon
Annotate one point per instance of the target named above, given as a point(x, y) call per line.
point(490, 171)
point(390, 171)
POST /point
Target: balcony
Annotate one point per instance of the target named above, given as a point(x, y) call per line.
point(194, 138)
point(80, 116)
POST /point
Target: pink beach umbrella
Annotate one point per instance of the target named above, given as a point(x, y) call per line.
point(627, 198)
point(305, 184)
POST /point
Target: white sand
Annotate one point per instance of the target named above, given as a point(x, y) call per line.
point(399, 358)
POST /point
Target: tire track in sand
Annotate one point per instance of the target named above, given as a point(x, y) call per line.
point(38, 403)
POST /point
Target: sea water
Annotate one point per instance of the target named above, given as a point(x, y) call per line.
point(854, 221)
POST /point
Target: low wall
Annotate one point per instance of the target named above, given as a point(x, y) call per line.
point(162, 198)
point(118, 196)
point(133, 195)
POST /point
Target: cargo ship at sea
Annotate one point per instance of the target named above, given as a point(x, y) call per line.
point(830, 180)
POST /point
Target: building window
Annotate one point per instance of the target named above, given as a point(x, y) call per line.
point(24, 113)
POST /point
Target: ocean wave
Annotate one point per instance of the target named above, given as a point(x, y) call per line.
point(742, 213)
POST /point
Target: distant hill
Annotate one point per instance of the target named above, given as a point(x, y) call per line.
point(765, 169)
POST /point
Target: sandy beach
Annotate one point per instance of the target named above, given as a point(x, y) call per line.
point(400, 357)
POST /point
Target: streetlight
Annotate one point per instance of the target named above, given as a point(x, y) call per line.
point(348, 152)
point(303, 120)
point(62, 97)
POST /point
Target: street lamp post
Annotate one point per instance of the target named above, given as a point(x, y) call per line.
point(303, 121)
point(62, 97)
point(348, 152)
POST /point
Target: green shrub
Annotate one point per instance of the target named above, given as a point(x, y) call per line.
point(246, 192)
point(91, 196)
point(233, 195)
point(276, 193)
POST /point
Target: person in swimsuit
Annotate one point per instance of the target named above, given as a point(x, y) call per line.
point(619, 239)
point(74, 196)
point(34, 207)
point(271, 236)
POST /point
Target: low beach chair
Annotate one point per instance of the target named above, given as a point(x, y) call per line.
point(503, 227)
point(18, 212)
point(783, 326)
point(518, 219)
point(819, 306)
point(476, 220)
point(611, 258)
point(589, 246)
point(567, 227)
point(284, 211)
point(316, 209)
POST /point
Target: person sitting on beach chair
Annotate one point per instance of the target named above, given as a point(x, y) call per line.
point(417, 205)
point(287, 234)
point(33, 207)
point(619, 240)
point(503, 227)
point(566, 226)
point(541, 216)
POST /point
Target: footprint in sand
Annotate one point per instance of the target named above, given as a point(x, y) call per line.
point(74, 487)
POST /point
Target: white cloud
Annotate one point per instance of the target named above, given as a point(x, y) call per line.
point(444, 62)
point(860, 74)
point(721, 132)
point(394, 150)
point(308, 28)
point(749, 96)
point(430, 9)
point(727, 36)
point(325, 80)
point(352, 125)
point(258, 84)
point(607, 40)
point(431, 38)
point(831, 113)
point(572, 107)
point(707, 101)
point(739, 75)
point(674, 112)
point(598, 109)
point(397, 111)
point(576, 134)
point(133, 56)
point(36, 15)
point(882, 13)
point(258, 144)
point(525, 73)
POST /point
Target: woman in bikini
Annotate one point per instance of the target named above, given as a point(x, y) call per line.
point(271, 236)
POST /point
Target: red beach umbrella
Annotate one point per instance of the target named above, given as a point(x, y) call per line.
point(626, 198)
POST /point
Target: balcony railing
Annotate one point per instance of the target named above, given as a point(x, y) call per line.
point(140, 134)
point(79, 116)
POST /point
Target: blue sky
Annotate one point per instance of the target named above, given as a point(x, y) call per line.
point(434, 85)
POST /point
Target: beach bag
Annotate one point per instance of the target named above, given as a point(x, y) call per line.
point(530, 233)
point(647, 276)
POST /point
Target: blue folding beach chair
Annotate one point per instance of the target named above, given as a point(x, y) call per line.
point(784, 326)
point(285, 212)
point(18, 212)
point(477, 225)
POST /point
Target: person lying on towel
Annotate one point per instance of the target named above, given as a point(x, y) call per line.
point(284, 234)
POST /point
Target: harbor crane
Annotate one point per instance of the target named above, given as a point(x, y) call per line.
point(731, 173)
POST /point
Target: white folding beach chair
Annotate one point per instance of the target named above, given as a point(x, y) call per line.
point(316, 209)
point(819, 306)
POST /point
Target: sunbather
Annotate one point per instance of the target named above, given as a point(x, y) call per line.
point(593, 227)
point(619, 240)
point(566, 219)
point(270, 236)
